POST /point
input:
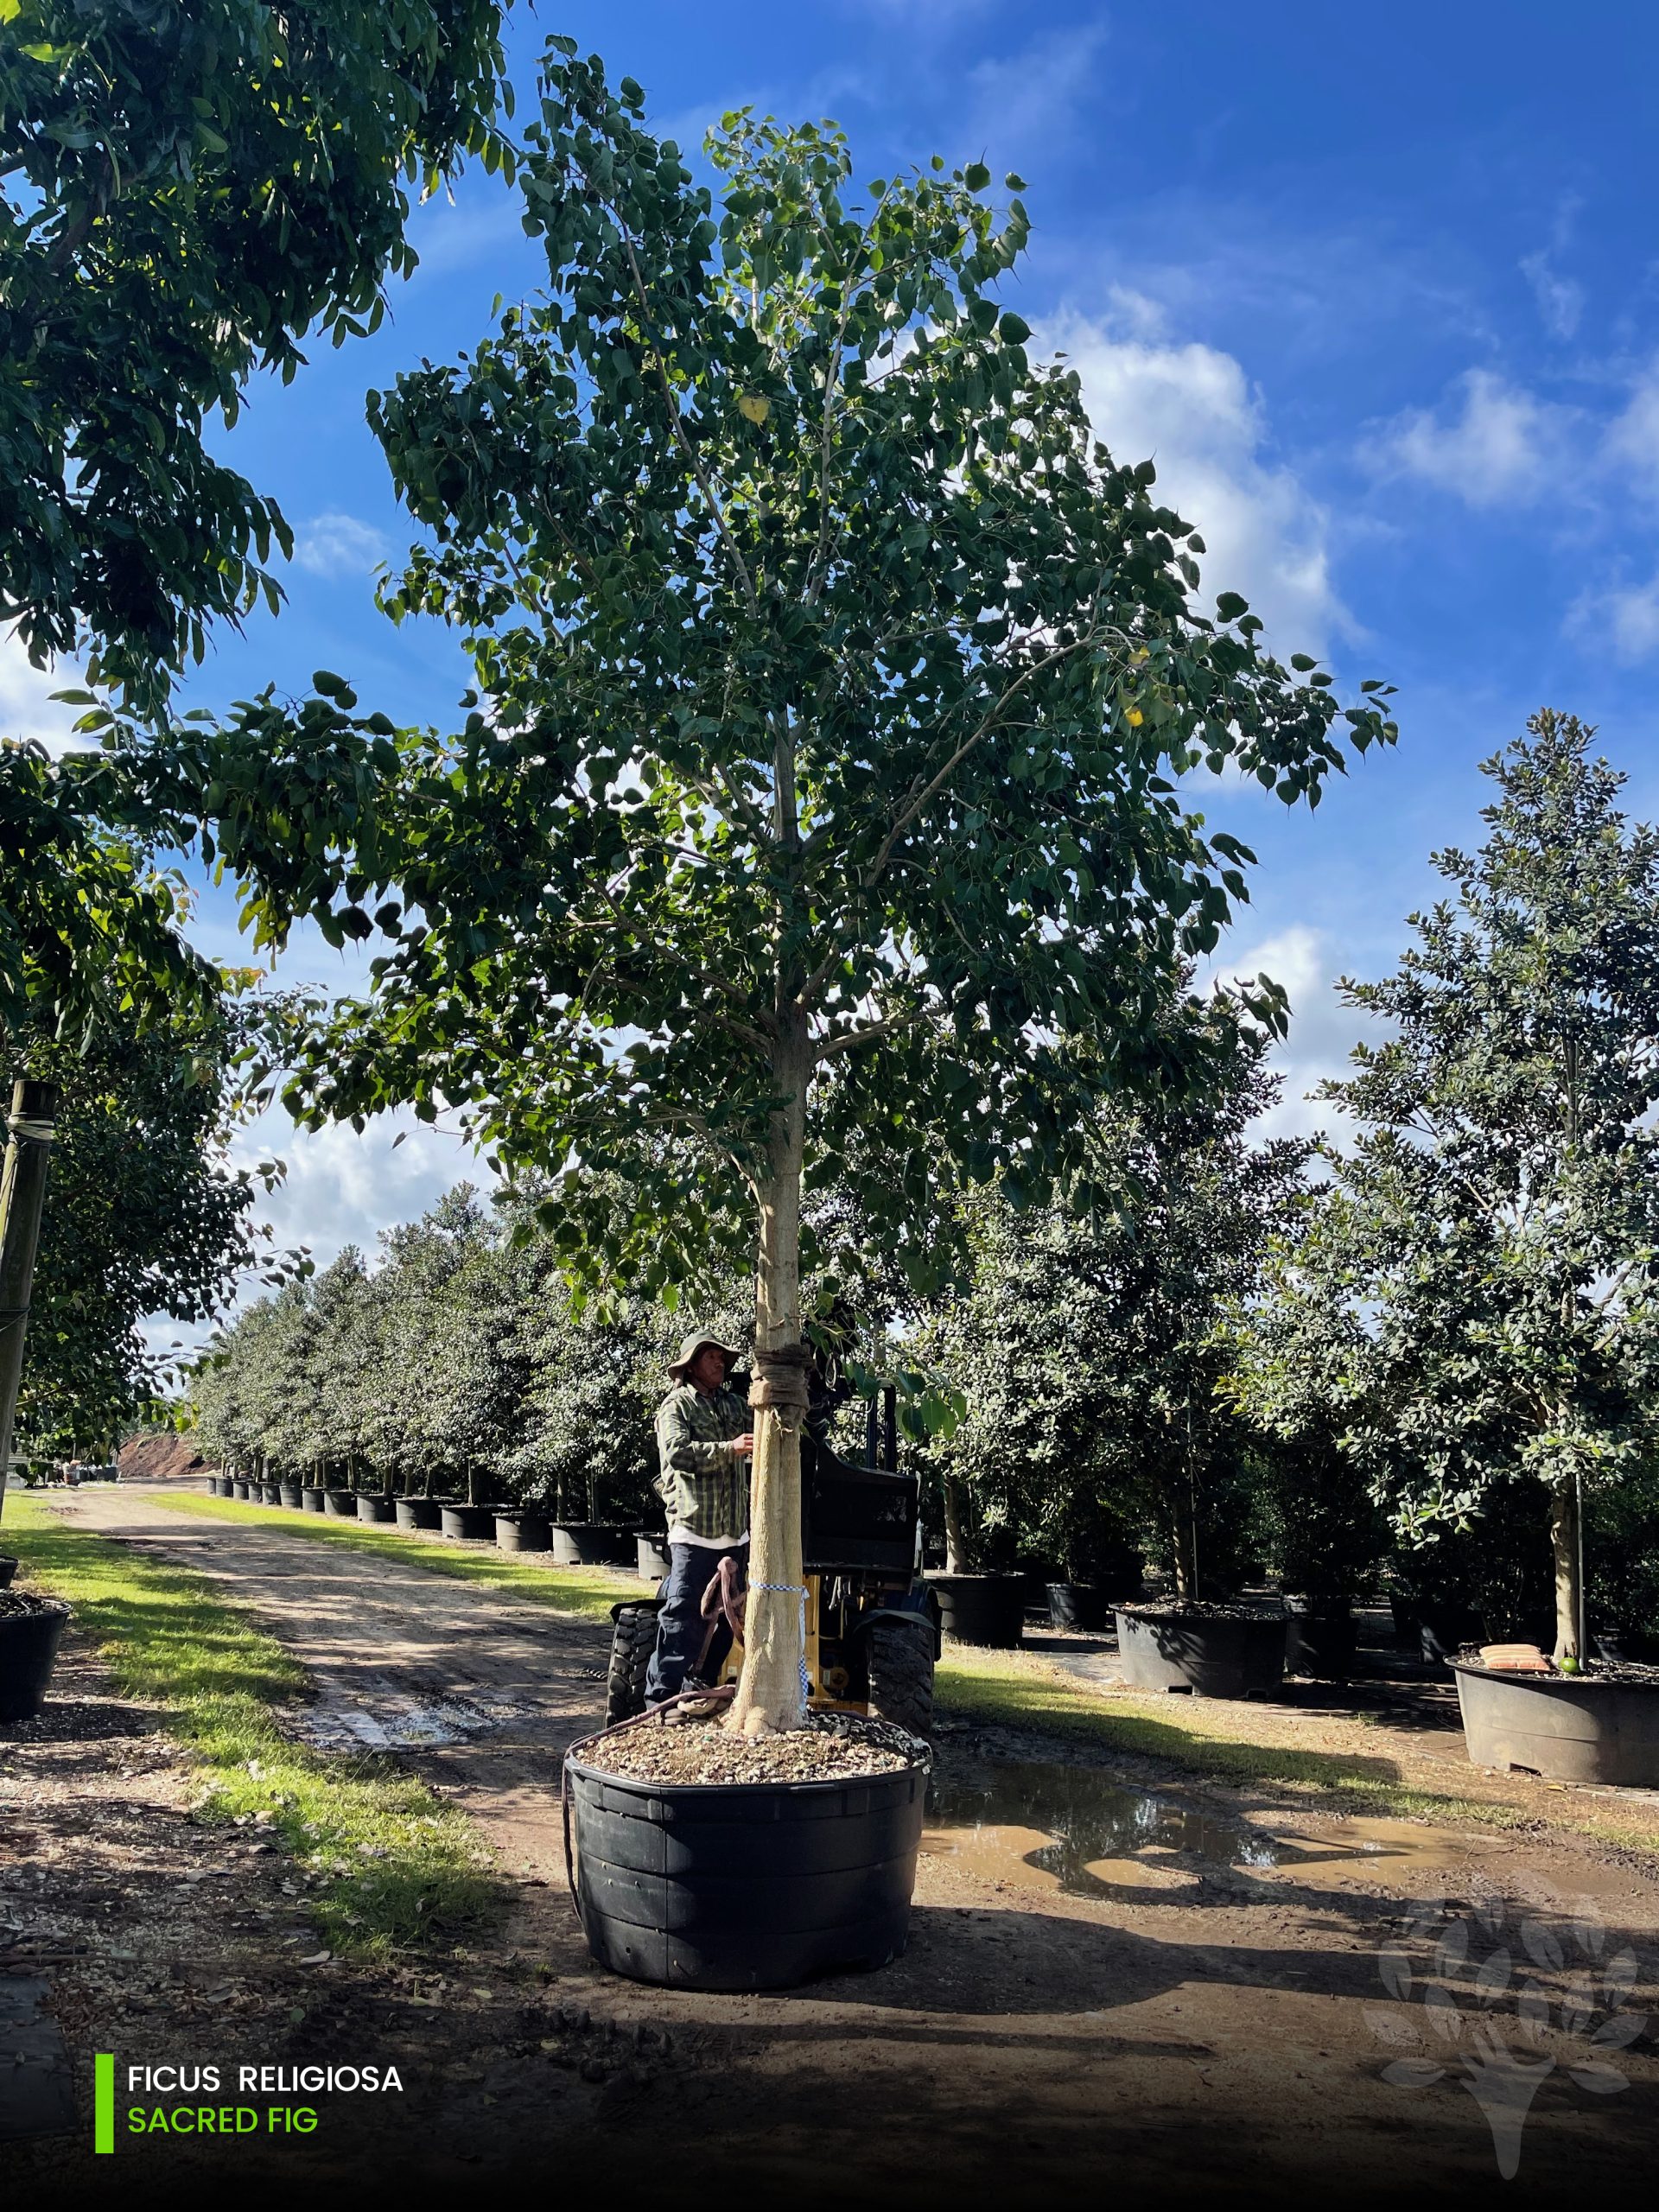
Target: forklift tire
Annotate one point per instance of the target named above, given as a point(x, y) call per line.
point(898, 1654)
point(633, 1638)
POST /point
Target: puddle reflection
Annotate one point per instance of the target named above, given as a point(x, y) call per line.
point(1061, 1828)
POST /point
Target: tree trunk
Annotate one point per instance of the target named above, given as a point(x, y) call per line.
point(771, 1692)
point(1565, 1545)
point(23, 1194)
point(958, 1552)
point(1186, 1536)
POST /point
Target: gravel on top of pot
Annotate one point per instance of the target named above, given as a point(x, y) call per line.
point(1204, 1609)
point(832, 1747)
point(15, 1602)
point(1592, 1672)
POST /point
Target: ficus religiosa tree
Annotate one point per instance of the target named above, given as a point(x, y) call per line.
point(835, 686)
point(1483, 1264)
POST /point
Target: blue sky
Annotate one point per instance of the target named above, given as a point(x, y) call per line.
point(1378, 290)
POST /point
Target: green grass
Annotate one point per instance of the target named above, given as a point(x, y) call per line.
point(397, 1866)
point(1014, 1691)
point(589, 1592)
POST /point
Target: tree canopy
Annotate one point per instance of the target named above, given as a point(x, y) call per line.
point(1487, 1249)
point(191, 186)
point(836, 693)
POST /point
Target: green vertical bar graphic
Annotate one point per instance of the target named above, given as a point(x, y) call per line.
point(103, 2101)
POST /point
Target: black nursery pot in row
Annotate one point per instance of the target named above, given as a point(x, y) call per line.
point(1215, 1655)
point(518, 1531)
point(29, 1648)
point(593, 1543)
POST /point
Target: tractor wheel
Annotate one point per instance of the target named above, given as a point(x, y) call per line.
point(899, 1652)
point(633, 1638)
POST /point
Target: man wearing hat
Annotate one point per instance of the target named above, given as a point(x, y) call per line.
point(704, 1445)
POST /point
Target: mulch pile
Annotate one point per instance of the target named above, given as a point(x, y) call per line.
point(830, 1748)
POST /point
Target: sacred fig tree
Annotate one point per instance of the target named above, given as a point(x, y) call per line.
point(835, 689)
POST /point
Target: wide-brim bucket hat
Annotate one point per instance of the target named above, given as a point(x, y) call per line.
point(691, 1345)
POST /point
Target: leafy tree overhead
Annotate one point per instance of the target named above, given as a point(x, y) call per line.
point(147, 1214)
point(1491, 1233)
point(190, 188)
point(836, 686)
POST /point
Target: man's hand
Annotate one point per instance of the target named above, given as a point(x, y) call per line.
point(744, 1446)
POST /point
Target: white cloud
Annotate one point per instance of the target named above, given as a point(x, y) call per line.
point(1323, 1031)
point(336, 545)
point(1631, 444)
point(27, 707)
point(343, 1188)
point(1621, 619)
point(1191, 410)
point(1560, 300)
point(1024, 102)
point(1498, 447)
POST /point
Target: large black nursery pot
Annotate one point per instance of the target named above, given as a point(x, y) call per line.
point(1321, 1637)
point(745, 1885)
point(222, 1487)
point(418, 1513)
point(372, 1506)
point(28, 1650)
point(8, 1568)
point(1217, 1655)
point(593, 1543)
point(988, 1609)
point(289, 1494)
point(1565, 1727)
point(522, 1531)
point(244, 1490)
point(651, 1556)
point(270, 1493)
point(1078, 1604)
point(1434, 1628)
point(476, 1522)
point(341, 1504)
point(312, 1498)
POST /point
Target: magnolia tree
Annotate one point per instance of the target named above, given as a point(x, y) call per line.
point(833, 686)
point(1482, 1268)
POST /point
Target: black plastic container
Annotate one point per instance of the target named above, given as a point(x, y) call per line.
point(593, 1543)
point(1078, 1606)
point(418, 1513)
point(650, 1557)
point(270, 1493)
point(740, 1886)
point(1215, 1655)
point(1565, 1727)
point(475, 1522)
point(221, 1486)
point(8, 1568)
point(372, 1506)
point(522, 1532)
point(341, 1504)
point(311, 1498)
point(28, 1650)
point(1321, 1639)
point(290, 1495)
point(245, 1492)
point(987, 1608)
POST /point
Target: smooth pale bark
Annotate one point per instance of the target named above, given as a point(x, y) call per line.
point(770, 1695)
point(1565, 1545)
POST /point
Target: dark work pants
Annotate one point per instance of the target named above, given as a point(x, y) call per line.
point(681, 1628)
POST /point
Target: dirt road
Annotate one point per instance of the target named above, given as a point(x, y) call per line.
point(1114, 1977)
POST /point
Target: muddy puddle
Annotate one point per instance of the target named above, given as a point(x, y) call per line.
point(1061, 1828)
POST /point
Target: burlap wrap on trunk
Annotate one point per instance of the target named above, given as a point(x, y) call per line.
point(779, 1382)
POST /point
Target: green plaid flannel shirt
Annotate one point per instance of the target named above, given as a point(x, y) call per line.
point(701, 1482)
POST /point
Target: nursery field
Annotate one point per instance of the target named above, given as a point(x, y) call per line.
point(1211, 1948)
